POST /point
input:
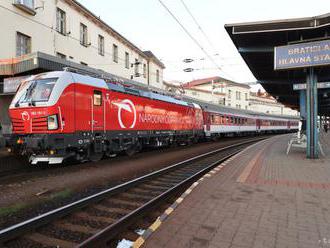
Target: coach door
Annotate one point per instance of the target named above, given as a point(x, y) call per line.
point(258, 124)
point(207, 121)
point(97, 111)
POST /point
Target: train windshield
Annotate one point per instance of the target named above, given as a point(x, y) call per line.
point(38, 91)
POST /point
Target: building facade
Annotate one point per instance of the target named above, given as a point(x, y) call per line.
point(68, 30)
point(219, 91)
point(49, 35)
point(263, 102)
point(225, 92)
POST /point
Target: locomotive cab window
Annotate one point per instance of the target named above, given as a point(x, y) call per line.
point(36, 91)
point(97, 99)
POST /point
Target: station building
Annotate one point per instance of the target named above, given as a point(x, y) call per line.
point(228, 93)
point(219, 91)
point(223, 91)
point(265, 103)
point(50, 35)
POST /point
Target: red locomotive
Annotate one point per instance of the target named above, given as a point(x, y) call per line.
point(65, 115)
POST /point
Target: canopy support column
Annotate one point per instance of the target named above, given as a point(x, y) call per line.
point(312, 130)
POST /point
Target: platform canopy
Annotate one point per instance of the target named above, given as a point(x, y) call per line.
point(255, 41)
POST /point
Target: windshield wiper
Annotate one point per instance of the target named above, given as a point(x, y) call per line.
point(19, 99)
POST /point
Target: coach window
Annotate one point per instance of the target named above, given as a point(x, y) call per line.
point(97, 98)
point(212, 119)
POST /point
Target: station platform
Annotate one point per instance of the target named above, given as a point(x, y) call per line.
point(260, 198)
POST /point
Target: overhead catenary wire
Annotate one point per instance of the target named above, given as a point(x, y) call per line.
point(191, 37)
point(198, 25)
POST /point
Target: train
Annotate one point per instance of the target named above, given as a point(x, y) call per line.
point(67, 115)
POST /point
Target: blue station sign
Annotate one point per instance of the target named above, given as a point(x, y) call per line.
point(302, 55)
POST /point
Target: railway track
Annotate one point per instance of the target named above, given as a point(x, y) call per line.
point(98, 219)
point(20, 168)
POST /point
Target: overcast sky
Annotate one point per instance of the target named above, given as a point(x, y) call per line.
point(148, 25)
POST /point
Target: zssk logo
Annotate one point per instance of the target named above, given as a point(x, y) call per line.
point(25, 116)
point(126, 113)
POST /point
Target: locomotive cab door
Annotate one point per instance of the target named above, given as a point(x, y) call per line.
point(97, 111)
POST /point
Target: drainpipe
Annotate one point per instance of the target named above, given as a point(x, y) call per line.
point(148, 77)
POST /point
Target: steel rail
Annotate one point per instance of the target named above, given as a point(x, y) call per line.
point(29, 225)
point(101, 238)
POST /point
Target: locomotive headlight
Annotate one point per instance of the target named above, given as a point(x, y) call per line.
point(52, 122)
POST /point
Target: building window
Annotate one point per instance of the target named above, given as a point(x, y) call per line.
point(126, 60)
point(97, 99)
point(27, 3)
point(229, 94)
point(60, 21)
point(23, 44)
point(157, 76)
point(83, 34)
point(144, 70)
point(61, 55)
point(246, 96)
point(101, 45)
point(238, 95)
point(115, 53)
point(136, 68)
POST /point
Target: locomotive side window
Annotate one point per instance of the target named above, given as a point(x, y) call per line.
point(97, 99)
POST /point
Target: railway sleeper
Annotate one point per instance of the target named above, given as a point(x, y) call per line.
point(169, 180)
point(77, 228)
point(156, 187)
point(176, 176)
point(93, 211)
point(63, 234)
point(118, 211)
point(92, 223)
point(46, 241)
point(179, 173)
point(85, 217)
point(118, 202)
point(141, 190)
point(137, 197)
point(161, 183)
